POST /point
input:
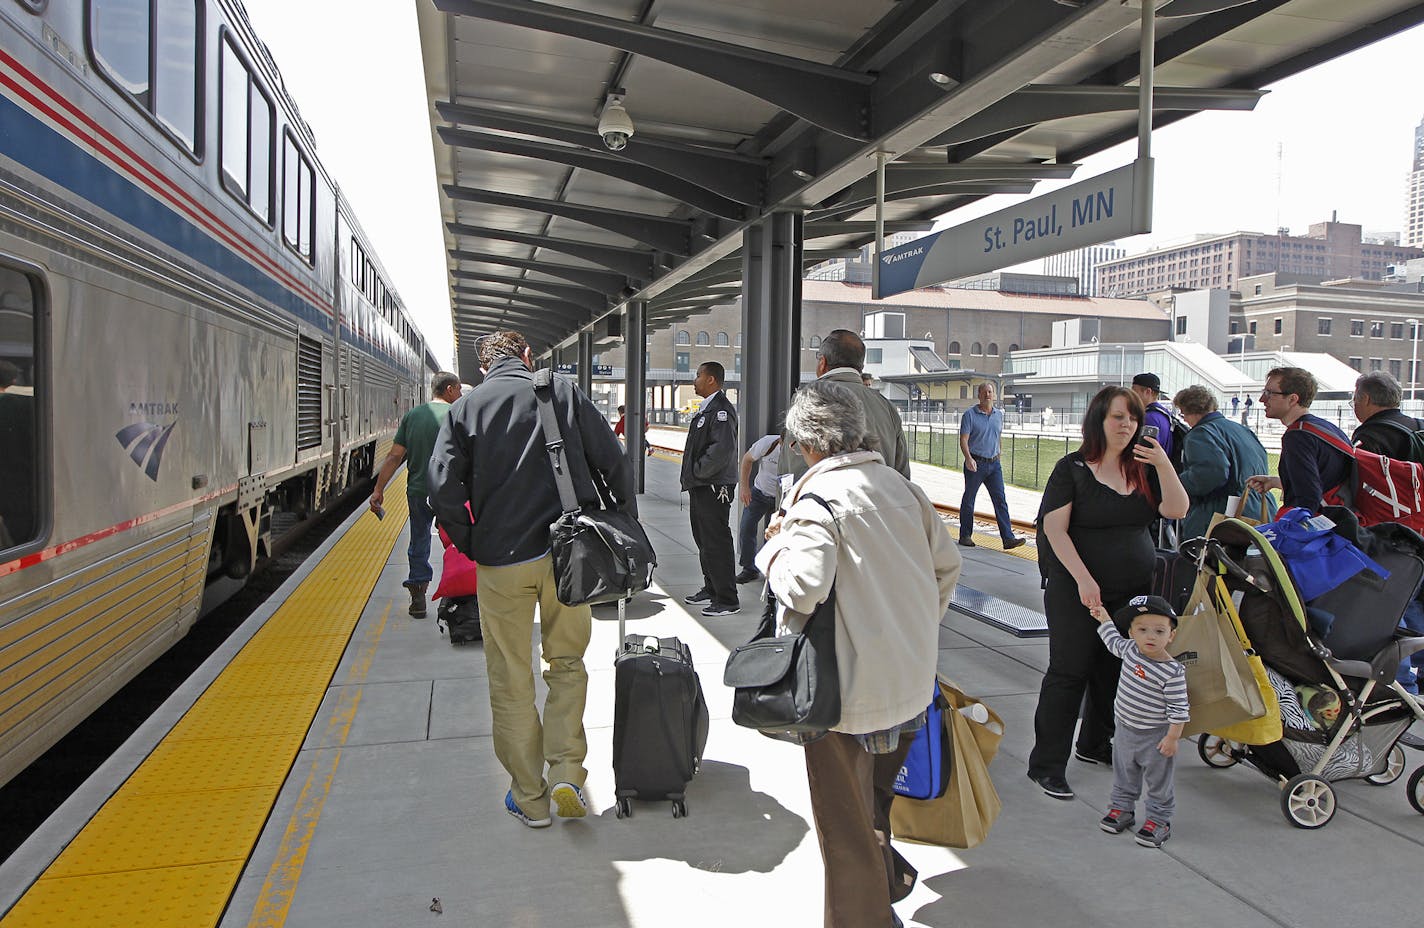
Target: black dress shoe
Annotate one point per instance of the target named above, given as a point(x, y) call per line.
point(967, 543)
point(1102, 756)
point(749, 575)
point(1014, 543)
point(1057, 787)
point(701, 596)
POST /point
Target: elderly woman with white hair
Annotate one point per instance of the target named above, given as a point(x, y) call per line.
point(894, 566)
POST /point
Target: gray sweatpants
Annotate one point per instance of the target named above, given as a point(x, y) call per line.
point(1135, 759)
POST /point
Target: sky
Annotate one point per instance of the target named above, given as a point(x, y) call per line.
point(1337, 138)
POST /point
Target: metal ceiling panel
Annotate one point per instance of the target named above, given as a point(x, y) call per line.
point(749, 107)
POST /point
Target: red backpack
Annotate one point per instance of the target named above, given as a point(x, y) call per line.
point(1380, 489)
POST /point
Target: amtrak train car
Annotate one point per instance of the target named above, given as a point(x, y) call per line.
point(197, 343)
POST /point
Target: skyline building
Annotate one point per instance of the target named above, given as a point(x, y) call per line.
point(1082, 263)
point(1414, 213)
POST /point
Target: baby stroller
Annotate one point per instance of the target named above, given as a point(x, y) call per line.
point(1341, 653)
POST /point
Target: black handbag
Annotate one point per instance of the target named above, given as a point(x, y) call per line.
point(788, 686)
point(600, 555)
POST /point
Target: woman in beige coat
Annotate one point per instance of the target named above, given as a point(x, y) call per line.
point(894, 566)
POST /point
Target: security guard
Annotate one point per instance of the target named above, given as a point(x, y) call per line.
point(709, 475)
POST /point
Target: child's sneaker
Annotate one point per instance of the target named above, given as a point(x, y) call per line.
point(513, 809)
point(1117, 821)
point(1153, 833)
point(568, 801)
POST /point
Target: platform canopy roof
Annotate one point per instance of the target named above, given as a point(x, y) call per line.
point(747, 107)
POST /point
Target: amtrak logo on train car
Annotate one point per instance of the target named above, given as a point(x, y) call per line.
point(145, 441)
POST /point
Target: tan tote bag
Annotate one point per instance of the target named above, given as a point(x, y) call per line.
point(1221, 686)
point(963, 816)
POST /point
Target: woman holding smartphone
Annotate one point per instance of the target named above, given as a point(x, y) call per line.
point(1094, 549)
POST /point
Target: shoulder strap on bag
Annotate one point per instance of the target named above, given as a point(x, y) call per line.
point(554, 439)
point(1330, 439)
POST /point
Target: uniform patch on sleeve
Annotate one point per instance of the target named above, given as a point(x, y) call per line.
point(699, 422)
point(721, 415)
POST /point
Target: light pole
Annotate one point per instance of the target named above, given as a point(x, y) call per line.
point(1413, 358)
point(1121, 365)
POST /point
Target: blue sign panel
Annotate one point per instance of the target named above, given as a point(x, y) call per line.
point(1110, 206)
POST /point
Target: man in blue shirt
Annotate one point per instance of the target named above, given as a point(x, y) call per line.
point(979, 431)
point(1148, 388)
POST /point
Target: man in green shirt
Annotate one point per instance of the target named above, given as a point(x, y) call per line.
point(415, 440)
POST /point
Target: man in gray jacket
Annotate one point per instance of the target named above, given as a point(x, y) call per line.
point(840, 359)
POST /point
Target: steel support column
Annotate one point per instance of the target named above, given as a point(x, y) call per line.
point(771, 322)
point(635, 376)
point(585, 362)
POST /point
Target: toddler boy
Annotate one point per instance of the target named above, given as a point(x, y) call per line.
point(1151, 711)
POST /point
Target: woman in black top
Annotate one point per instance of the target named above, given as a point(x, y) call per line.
point(1094, 550)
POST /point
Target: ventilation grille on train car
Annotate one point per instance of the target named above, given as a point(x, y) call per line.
point(308, 393)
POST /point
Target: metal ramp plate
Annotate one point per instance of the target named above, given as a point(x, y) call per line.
point(1002, 614)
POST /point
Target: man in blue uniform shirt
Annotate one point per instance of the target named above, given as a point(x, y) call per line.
point(979, 431)
point(709, 475)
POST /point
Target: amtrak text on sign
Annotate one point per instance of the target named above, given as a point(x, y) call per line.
point(1113, 205)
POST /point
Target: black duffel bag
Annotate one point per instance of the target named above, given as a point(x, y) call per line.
point(788, 686)
point(600, 555)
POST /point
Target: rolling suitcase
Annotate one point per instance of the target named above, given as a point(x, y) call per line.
point(659, 720)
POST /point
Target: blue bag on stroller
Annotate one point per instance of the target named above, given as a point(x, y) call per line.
point(1319, 560)
point(925, 774)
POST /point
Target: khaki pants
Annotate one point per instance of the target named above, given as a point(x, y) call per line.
point(524, 744)
point(851, 791)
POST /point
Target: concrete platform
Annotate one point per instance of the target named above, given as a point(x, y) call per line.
point(395, 800)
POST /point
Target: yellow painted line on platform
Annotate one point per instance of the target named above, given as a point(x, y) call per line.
point(280, 886)
point(168, 847)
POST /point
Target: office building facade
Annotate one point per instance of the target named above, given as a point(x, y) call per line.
point(1082, 263)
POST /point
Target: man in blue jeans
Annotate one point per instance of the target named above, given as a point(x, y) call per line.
point(414, 441)
point(979, 430)
point(758, 500)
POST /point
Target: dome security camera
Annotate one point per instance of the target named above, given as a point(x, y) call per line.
point(615, 125)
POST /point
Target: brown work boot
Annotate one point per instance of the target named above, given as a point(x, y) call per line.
point(417, 599)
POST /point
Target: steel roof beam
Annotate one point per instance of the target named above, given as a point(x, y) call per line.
point(670, 235)
point(602, 281)
point(974, 178)
point(829, 227)
point(535, 319)
point(570, 315)
point(842, 207)
point(636, 263)
point(1039, 103)
point(591, 300)
point(545, 302)
point(599, 163)
point(734, 176)
point(523, 324)
point(833, 98)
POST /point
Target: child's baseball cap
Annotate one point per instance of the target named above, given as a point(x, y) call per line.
point(1143, 605)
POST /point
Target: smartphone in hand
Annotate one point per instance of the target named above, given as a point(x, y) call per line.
point(1148, 431)
point(380, 511)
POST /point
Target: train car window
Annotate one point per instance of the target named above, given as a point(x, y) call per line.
point(298, 198)
point(150, 50)
point(245, 134)
point(21, 511)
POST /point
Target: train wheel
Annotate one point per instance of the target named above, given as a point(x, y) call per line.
point(1308, 801)
point(1392, 771)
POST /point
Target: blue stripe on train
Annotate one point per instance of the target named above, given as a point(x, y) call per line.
point(30, 142)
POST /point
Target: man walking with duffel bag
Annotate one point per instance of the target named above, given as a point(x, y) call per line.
point(491, 456)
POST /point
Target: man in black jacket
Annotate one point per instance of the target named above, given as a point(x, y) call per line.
point(709, 475)
point(1385, 430)
point(491, 458)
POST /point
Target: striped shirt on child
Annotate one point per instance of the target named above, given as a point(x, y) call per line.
point(1149, 693)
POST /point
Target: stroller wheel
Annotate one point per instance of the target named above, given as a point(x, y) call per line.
point(1217, 752)
point(1308, 801)
point(1393, 770)
point(1416, 790)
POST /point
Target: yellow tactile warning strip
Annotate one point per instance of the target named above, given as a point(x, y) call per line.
point(168, 847)
point(989, 538)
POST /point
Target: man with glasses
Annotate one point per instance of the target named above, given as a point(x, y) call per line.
point(1309, 466)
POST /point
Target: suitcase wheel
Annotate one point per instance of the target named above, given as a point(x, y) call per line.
point(624, 808)
point(679, 808)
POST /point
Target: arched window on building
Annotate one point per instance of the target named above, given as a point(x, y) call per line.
point(1013, 348)
point(722, 340)
point(976, 349)
point(955, 349)
point(993, 349)
point(703, 339)
point(815, 341)
point(683, 338)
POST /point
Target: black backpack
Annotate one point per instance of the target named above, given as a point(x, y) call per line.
point(1179, 434)
point(1416, 438)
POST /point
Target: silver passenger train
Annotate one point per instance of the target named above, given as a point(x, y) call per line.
point(195, 339)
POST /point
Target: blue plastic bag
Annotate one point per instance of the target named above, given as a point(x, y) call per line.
point(925, 774)
point(1318, 559)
